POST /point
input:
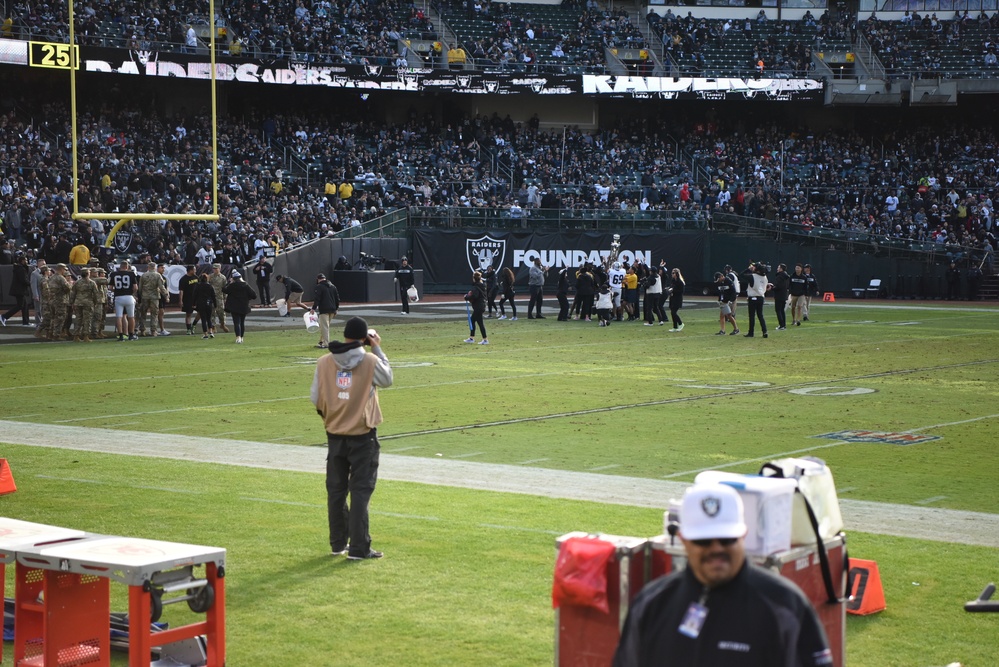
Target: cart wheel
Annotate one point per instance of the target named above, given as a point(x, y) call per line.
point(202, 599)
point(155, 606)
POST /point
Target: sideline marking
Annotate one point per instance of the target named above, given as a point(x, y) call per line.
point(768, 457)
point(403, 449)
point(185, 408)
point(927, 501)
point(143, 379)
point(466, 456)
point(822, 391)
point(902, 324)
point(16, 417)
point(279, 502)
point(219, 435)
point(680, 399)
point(175, 428)
point(737, 384)
point(532, 461)
point(846, 489)
point(520, 529)
point(116, 483)
point(121, 424)
point(606, 467)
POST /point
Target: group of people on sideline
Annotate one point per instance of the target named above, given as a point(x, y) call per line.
point(615, 291)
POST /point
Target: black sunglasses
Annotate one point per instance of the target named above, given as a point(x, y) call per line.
point(724, 541)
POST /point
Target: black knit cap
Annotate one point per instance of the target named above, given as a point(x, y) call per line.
point(356, 328)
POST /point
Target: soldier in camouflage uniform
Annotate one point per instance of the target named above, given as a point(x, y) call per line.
point(101, 309)
point(45, 303)
point(58, 297)
point(84, 297)
point(151, 286)
point(218, 283)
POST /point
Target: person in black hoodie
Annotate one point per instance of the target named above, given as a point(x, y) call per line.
point(20, 289)
point(326, 300)
point(585, 289)
point(204, 300)
point(476, 298)
point(562, 294)
point(237, 303)
point(781, 290)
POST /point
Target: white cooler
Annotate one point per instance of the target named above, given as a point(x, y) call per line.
point(767, 502)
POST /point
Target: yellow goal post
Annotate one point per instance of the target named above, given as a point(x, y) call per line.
point(126, 217)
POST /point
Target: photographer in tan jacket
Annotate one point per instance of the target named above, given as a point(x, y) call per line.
point(345, 393)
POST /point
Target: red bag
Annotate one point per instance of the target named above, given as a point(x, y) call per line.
point(581, 573)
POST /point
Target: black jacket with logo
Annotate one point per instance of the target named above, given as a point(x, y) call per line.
point(758, 619)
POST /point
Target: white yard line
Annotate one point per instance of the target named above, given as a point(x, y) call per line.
point(955, 526)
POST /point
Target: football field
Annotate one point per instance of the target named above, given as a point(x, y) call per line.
point(490, 452)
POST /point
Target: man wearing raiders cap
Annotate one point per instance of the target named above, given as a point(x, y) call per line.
point(722, 609)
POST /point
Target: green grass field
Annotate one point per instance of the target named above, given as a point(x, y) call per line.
point(467, 575)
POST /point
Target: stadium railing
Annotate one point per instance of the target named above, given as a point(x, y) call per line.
point(539, 219)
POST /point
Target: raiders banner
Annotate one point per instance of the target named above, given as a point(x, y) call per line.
point(450, 257)
point(368, 78)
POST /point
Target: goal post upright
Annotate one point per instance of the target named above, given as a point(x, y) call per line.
point(74, 136)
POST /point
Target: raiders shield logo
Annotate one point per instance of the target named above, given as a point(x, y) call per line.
point(373, 70)
point(343, 379)
point(123, 240)
point(464, 80)
point(538, 85)
point(491, 86)
point(484, 252)
point(340, 81)
point(711, 506)
point(142, 58)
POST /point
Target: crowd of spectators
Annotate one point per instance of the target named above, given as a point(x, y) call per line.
point(374, 32)
point(518, 36)
point(923, 184)
point(326, 31)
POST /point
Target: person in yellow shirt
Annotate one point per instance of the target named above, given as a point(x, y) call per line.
point(276, 187)
point(79, 255)
point(105, 181)
point(456, 57)
point(346, 190)
point(631, 294)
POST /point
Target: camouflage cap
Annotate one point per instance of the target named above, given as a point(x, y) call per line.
point(216, 266)
point(62, 266)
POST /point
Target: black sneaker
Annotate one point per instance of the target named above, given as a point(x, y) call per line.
point(764, 334)
point(735, 333)
point(805, 318)
point(339, 552)
point(372, 554)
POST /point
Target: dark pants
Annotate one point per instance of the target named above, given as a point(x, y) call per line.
point(351, 467)
point(476, 318)
point(780, 307)
point(20, 305)
point(493, 293)
point(238, 323)
point(674, 312)
point(206, 318)
point(756, 310)
point(563, 306)
point(534, 305)
point(585, 305)
point(654, 307)
point(508, 296)
point(405, 298)
point(264, 288)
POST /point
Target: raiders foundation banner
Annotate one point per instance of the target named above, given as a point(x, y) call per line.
point(367, 78)
point(450, 257)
